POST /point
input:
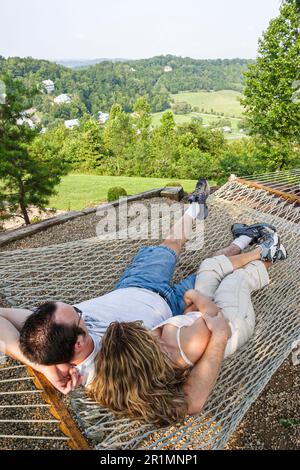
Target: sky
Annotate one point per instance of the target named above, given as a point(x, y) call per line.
point(133, 29)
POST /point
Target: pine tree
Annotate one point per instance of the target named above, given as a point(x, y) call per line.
point(118, 137)
point(27, 178)
point(142, 117)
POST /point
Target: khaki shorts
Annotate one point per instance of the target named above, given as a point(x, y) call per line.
point(231, 291)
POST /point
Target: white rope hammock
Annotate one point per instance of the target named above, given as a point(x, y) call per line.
point(84, 269)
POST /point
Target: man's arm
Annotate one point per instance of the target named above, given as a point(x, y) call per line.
point(204, 374)
point(63, 376)
point(16, 316)
point(11, 322)
point(9, 340)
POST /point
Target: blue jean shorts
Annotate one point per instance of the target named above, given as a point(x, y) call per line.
point(153, 268)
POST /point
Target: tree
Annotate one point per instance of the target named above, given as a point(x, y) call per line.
point(271, 110)
point(26, 177)
point(181, 107)
point(164, 148)
point(193, 134)
point(167, 125)
point(83, 146)
point(292, 2)
point(223, 122)
point(241, 157)
point(118, 137)
point(142, 117)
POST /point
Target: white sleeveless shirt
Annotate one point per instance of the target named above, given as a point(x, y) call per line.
point(180, 321)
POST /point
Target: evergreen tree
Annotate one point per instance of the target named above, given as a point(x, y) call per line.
point(142, 117)
point(26, 178)
point(84, 146)
point(118, 137)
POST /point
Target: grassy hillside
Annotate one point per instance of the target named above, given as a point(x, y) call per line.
point(223, 101)
point(78, 191)
point(181, 118)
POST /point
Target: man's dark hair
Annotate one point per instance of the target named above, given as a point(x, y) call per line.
point(45, 342)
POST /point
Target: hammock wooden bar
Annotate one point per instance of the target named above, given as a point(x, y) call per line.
point(284, 184)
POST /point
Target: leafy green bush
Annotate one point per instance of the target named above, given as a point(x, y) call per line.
point(173, 184)
point(181, 107)
point(114, 193)
point(36, 219)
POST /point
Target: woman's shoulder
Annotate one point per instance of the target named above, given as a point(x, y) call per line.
point(194, 340)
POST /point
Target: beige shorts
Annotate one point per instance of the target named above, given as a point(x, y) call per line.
point(231, 291)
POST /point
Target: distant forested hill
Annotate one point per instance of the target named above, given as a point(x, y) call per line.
point(79, 63)
point(98, 87)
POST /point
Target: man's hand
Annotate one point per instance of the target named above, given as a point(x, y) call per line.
point(64, 377)
point(204, 374)
point(218, 324)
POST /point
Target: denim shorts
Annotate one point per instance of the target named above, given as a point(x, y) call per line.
point(153, 268)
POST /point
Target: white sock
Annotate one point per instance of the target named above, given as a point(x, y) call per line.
point(242, 242)
point(194, 210)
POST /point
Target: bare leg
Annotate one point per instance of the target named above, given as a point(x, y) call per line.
point(240, 261)
point(179, 233)
point(231, 250)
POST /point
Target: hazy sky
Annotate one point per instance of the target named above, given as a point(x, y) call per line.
point(133, 28)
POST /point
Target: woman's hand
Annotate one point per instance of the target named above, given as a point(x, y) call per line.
point(218, 325)
point(197, 302)
point(189, 298)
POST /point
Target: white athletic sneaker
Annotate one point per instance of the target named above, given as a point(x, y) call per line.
point(271, 248)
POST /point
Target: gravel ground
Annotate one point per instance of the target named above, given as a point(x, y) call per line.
point(77, 229)
point(31, 413)
point(270, 423)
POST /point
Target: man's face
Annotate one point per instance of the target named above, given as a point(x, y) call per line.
point(68, 315)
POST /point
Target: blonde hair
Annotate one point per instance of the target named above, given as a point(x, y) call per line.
point(135, 378)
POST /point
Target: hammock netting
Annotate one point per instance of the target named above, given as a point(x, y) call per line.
point(80, 270)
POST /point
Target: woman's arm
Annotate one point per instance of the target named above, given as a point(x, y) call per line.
point(196, 301)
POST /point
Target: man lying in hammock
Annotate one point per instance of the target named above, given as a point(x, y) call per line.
point(62, 341)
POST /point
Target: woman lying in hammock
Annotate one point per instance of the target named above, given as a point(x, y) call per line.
point(140, 373)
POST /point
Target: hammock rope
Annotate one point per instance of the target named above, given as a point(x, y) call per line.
point(80, 270)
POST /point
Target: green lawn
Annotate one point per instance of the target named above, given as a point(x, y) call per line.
point(224, 101)
point(78, 191)
point(207, 119)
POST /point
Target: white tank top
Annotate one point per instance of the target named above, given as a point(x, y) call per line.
point(180, 321)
